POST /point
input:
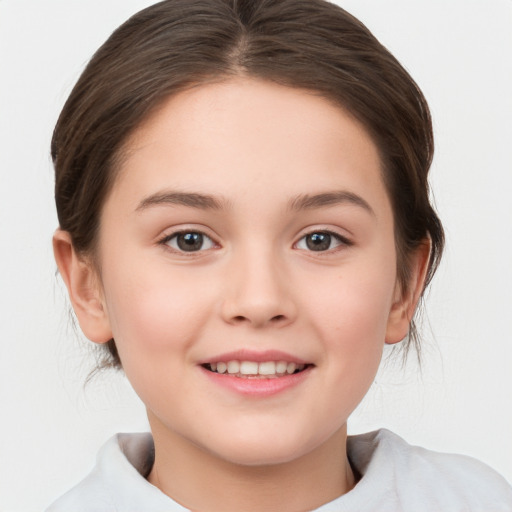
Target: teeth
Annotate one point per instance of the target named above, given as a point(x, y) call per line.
point(248, 368)
point(281, 367)
point(233, 366)
point(291, 367)
point(266, 368)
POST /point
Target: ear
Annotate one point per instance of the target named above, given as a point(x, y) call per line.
point(84, 288)
point(405, 302)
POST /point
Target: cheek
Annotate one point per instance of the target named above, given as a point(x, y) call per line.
point(350, 315)
point(357, 302)
point(155, 319)
point(152, 311)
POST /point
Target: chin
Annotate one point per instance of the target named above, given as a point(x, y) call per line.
point(268, 450)
point(257, 457)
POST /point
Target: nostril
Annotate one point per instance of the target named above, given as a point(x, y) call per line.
point(241, 319)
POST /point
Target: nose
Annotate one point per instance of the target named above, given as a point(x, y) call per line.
point(258, 292)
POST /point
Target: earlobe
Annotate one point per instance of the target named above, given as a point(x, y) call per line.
point(84, 289)
point(405, 302)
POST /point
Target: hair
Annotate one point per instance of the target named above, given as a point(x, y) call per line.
point(177, 44)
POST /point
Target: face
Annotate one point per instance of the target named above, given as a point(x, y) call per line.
point(248, 269)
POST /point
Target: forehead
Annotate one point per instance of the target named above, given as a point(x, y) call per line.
point(228, 137)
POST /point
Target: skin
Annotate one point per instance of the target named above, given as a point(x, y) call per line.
point(257, 148)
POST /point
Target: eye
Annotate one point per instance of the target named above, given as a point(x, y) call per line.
point(189, 241)
point(320, 241)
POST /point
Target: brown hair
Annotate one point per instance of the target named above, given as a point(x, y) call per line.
point(177, 44)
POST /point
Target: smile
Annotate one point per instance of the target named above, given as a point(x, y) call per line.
point(254, 369)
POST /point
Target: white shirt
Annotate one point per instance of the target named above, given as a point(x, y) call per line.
point(395, 477)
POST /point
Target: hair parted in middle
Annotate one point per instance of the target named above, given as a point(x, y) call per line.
point(177, 44)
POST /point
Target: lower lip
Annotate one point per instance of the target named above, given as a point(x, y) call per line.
point(258, 387)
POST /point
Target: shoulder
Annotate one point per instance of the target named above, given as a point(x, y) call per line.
point(118, 480)
point(415, 476)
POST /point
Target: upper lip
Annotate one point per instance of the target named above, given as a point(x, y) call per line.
point(256, 356)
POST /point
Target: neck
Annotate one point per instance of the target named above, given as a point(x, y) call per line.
point(202, 481)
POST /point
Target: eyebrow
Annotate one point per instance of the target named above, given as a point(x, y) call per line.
point(311, 202)
point(192, 200)
point(208, 202)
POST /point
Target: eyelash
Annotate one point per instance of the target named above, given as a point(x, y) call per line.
point(166, 239)
point(339, 239)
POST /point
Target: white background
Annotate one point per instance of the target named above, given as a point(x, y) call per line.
point(460, 53)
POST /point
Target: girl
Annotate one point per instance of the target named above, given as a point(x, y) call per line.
point(244, 223)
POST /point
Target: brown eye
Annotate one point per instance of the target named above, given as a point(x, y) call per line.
point(190, 241)
point(320, 241)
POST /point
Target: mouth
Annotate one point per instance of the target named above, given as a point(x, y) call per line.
point(256, 369)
